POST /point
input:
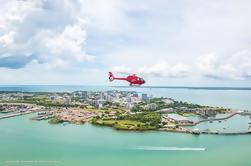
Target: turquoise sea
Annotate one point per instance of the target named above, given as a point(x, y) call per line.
point(26, 142)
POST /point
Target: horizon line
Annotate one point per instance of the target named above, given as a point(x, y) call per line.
point(149, 86)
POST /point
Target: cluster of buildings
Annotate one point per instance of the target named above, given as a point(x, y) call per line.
point(74, 115)
point(109, 102)
point(17, 108)
point(96, 99)
point(100, 99)
point(203, 112)
point(12, 96)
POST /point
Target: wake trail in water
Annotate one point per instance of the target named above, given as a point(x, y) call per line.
point(154, 148)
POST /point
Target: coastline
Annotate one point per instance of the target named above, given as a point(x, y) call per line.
point(120, 110)
point(187, 131)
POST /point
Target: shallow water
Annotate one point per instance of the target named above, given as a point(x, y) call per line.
point(26, 140)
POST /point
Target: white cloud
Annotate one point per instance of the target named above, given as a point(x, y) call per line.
point(53, 32)
point(7, 39)
point(66, 47)
point(134, 36)
point(106, 16)
point(162, 69)
point(14, 11)
point(32, 74)
point(121, 69)
point(236, 66)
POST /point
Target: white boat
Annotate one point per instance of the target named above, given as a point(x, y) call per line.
point(153, 148)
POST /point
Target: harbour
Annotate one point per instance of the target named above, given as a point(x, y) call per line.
point(71, 144)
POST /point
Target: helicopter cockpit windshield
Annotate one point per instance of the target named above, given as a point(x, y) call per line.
point(141, 79)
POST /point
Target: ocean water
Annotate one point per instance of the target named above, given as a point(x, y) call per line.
point(26, 142)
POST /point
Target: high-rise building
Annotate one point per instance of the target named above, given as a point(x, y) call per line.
point(144, 97)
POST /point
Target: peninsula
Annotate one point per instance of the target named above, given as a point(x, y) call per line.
point(121, 110)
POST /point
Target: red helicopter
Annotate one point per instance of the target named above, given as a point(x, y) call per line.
point(133, 79)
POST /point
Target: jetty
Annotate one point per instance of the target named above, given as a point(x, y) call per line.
point(217, 119)
point(216, 132)
point(208, 132)
point(16, 114)
point(227, 133)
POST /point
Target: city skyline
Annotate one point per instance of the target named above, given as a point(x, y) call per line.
point(179, 43)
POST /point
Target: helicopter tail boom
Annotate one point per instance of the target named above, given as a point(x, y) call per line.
point(112, 77)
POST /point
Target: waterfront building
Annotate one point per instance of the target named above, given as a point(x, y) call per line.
point(178, 119)
point(166, 110)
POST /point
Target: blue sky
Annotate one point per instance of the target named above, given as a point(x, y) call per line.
point(183, 42)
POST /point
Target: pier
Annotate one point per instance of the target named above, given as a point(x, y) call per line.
point(190, 131)
point(242, 113)
point(217, 119)
point(16, 114)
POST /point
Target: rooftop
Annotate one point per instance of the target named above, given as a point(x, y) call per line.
point(177, 117)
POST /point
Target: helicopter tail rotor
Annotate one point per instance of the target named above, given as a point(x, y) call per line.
point(111, 76)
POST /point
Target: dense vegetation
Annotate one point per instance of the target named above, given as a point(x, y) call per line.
point(123, 124)
point(55, 121)
point(141, 121)
point(151, 118)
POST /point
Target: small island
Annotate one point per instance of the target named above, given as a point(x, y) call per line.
point(121, 110)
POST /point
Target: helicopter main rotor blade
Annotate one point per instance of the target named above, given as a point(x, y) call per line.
point(124, 73)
